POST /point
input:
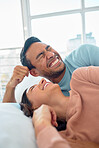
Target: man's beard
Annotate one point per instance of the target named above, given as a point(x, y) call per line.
point(53, 74)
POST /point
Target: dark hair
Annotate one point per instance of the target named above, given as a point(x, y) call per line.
point(26, 105)
point(23, 59)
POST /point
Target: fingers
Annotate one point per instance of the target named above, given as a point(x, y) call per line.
point(18, 78)
point(21, 70)
point(46, 114)
point(19, 73)
point(53, 117)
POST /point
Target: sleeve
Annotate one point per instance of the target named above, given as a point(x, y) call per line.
point(87, 74)
point(50, 138)
point(85, 55)
point(84, 104)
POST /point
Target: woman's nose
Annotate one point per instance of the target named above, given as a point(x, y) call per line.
point(42, 81)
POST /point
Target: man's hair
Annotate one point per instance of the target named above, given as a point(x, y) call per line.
point(27, 44)
point(26, 105)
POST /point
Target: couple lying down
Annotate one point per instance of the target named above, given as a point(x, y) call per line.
point(80, 110)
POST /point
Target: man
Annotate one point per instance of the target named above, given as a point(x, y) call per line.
point(42, 60)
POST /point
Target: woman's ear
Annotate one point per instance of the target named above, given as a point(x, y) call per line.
point(34, 72)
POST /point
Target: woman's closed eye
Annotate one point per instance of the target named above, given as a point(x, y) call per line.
point(32, 87)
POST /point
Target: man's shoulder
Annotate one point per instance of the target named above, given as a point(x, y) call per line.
point(87, 47)
point(83, 51)
point(82, 48)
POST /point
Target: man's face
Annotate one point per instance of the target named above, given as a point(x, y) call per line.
point(47, 61)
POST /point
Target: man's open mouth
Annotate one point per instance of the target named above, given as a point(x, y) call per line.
point(54, 62)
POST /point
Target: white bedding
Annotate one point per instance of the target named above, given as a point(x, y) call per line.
point(16, 130)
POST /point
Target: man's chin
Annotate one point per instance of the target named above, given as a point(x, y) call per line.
point(54, 74)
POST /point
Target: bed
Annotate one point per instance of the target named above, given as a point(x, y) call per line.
point(16, 130)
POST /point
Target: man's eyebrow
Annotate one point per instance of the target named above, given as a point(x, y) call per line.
point(47, 47)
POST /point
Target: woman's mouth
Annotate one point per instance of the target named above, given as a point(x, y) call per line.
point(46, 84)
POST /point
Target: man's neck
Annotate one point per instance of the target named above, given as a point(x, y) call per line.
point(58, 79)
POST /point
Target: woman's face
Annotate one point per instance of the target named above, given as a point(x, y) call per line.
point(42, 93)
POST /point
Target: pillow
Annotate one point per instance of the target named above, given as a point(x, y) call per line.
point(16, 130)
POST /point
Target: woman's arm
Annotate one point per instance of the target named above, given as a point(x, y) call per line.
point(47, 136)
point(18, 74)
point(84, 104)
point(89, 74)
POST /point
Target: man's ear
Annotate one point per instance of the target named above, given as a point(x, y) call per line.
point(34, 72)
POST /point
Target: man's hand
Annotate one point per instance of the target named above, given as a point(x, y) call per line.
point(43, 116)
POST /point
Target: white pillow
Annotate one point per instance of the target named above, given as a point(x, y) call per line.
point(16, 130)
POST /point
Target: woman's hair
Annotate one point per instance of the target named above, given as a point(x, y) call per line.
point(26, 105)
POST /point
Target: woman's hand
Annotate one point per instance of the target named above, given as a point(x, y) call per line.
point(43, 117)
point(19, 73)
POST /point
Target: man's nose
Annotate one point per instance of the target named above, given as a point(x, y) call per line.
point(49, 54)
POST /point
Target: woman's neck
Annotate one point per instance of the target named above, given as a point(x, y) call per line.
point(63, 107)
point(60, 106)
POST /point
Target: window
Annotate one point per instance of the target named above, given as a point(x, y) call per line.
point(49, 6)
point(64, 24)
point(57, 30)
point(91, 3)
point(11, 39)
point(92, 27)
point(11, 29)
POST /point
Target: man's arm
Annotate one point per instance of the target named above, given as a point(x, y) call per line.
point(18, 75)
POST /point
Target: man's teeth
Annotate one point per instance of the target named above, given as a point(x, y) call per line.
point(56, 61)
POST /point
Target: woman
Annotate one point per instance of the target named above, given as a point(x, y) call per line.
point(81, 110)
point(43, 93)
